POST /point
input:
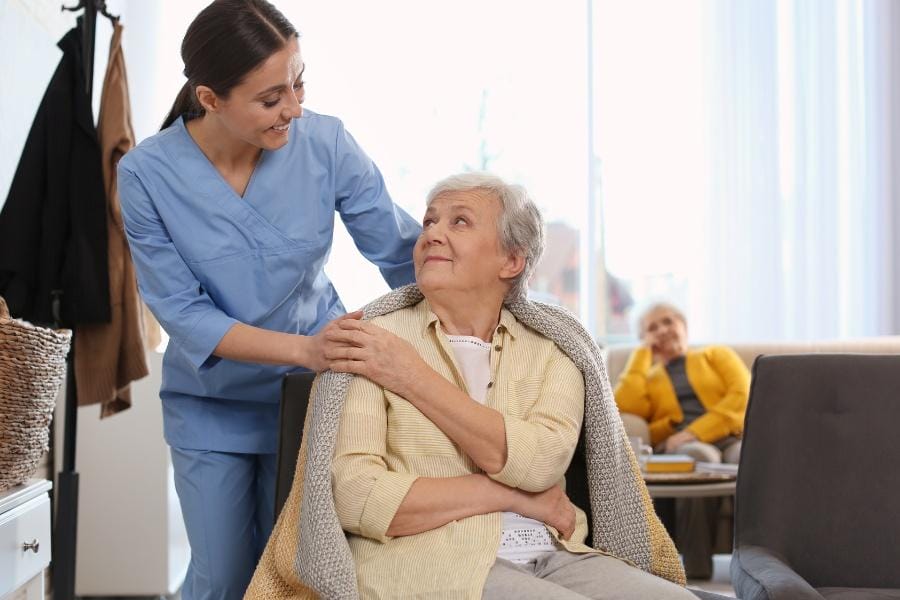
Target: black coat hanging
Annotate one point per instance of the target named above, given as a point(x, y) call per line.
point(53, 239)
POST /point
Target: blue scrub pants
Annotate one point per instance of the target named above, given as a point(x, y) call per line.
point(228, 504)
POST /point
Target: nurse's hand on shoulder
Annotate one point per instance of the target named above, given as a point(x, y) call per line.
point(320, 345)
point(365, 349)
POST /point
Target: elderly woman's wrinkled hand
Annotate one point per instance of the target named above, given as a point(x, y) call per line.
point(551, 507)
point(365, 349)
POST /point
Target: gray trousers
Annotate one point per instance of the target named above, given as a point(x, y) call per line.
point(563, 575)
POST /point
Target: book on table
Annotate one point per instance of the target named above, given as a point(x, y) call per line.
point(726, 468)
point(669, 463)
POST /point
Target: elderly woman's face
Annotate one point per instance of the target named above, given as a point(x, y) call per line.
point(664, 332)
point(459, 248)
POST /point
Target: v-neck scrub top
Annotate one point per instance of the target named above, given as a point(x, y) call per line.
point(207, 259)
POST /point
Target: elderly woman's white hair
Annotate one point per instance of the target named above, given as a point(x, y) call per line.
point(655, 306)
point(520, 227)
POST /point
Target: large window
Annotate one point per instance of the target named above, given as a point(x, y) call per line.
point(433, 89)
point(650, 143)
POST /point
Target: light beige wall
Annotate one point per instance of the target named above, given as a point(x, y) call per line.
point(29, 30)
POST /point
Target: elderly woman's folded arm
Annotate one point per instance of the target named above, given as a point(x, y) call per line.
point(434, 502)
point(368, 505)
point(530, 453)
point(375, 502)
point(541, 445)
point(367, 495)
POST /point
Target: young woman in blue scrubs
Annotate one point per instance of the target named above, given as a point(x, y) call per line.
point(229, 212)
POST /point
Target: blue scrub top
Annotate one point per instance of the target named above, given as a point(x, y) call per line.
point(207, 258)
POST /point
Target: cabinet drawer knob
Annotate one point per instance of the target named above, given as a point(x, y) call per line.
point(33, 545)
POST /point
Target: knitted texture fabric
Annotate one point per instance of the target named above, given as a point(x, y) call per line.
point(308, 555)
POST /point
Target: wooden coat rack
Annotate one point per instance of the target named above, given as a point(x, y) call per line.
point(65, 529)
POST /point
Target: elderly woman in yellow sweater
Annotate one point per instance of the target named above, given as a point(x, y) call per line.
point(687, 401)
point(448, 477)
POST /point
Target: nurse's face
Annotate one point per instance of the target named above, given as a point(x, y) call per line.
point(259, 110)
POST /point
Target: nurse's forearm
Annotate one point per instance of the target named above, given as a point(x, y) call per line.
point(246, 343)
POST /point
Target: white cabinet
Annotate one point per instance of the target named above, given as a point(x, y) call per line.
point(24, 540)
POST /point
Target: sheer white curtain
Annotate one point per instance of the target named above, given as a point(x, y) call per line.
point(800, 209)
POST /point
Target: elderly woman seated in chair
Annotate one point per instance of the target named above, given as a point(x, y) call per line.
point(448, 475)
point(683, 400)
point(686, 401)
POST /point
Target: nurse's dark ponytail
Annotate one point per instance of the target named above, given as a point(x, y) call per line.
point(225, 42)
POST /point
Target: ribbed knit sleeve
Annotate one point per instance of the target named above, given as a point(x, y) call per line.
point(541, 443)
point(366, 494)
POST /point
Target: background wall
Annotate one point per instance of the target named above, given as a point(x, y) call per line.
point(29, 31)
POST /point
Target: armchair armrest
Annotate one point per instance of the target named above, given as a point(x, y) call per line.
point(757, 574)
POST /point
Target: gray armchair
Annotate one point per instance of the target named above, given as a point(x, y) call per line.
point(818, 495)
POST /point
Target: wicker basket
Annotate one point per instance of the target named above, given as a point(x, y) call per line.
point(32, 367)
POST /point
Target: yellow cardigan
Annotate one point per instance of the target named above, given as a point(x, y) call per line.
point(716, 373)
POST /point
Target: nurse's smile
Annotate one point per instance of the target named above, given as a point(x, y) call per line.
point(280, 131)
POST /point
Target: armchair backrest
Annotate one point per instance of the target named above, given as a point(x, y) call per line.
point(295, 390)
point(819, 482)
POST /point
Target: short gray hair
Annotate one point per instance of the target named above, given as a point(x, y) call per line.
point(655, 306)
point(520, 228)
